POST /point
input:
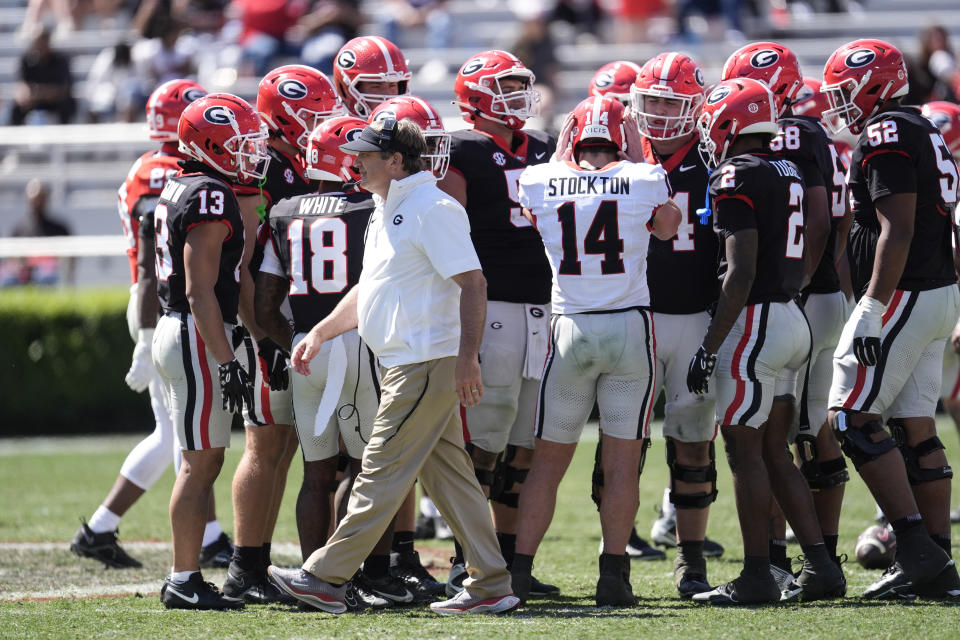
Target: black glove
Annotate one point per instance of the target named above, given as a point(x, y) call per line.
point(274, 364)
point(700, 370)
point(235, 386)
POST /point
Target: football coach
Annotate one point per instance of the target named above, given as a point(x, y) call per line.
point(420, 306)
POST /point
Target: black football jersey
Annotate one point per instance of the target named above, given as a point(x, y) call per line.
point(764, 192)
point(188, 200)
point(510, 250)
point(900, 151)
point(804, 141)
point(318, 239)
point(691, 257)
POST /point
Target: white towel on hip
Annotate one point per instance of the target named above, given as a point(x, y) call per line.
point(336, 372)
point(538, 337)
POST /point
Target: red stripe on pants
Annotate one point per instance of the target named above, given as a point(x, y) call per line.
point(207, 391)
point(735, 368)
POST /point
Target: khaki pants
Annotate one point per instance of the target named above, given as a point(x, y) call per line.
point(417, 432)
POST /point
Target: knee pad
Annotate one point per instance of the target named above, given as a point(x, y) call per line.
point(597, 478)
point(857, 442)
point(820, 475)
point(486, 477)
point(508, 479)
point(684, 473)
point(911, 456)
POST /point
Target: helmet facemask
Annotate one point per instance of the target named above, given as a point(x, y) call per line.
point(438, 152)
point(843, 112)
point(664, 127)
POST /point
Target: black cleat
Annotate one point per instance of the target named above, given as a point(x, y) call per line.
point(195, 594)
point(542, 590)
point(359, 599)
point(918, 563)
point(742, 591)
point(388, 587)
point(946, 586)
point(640, 549)
point(407, 568)
point(690, 577)
point(821, 583)
point(217, 554)
point(253, 587)
point(613, 586)
point(102, 547)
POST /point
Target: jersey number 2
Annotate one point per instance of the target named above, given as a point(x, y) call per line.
point(603, 238)
point(327, 246)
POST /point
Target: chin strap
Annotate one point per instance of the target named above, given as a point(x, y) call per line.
point(262, 207)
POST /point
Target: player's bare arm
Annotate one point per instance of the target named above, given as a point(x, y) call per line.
point(148, 304)
point(667, 220)
point(251, 222)
point(896, 214)
point(268, 295)
point(741, 251)
point(201, 261)
point(454, 185)
point(816, 230)
point(343, 318)
point(473, 314)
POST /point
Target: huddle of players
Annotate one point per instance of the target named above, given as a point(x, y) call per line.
point(310, 250)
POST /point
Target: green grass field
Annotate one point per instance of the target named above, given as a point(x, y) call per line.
point(46, 592)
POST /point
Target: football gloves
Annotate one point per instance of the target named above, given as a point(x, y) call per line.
point(700, 370)
point(867, 319)
point(235, 386)
point(141, 368)
point(273, 363)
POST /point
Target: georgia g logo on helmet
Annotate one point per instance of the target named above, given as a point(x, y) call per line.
point(353, 134)
point(472, 66)
point(292, 89)
point(718, 94)
point(860, 58)
point(386, 114)
point(604, 80)
point(219, 115)
point(192, 94)
point(698, 76)
point(346, 59)
point(764, 58)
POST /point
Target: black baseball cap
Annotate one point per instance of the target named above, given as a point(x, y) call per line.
point(379, 139)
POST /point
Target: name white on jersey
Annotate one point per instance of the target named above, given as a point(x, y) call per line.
point(594, 229)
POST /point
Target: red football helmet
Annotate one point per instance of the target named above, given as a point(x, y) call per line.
point(420, 111)
point(946, 116)
point(165, 105)
point(772, 64)
point(615, 79)
point(858, 78)
point(325, 160)
point(479, 93)
point(598, 120)
point(672, 76)
point(734, 108)
point(368, 59)
point(225, 133)
point(294, 99)
point(809, 101)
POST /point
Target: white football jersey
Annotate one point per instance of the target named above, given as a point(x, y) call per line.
point(594, 230)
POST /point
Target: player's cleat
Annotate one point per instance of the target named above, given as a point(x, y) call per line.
point(821, 582)
point(613, 585)
point(663, 533)
point(464, 603)
point(458, 574)
point(408, 568)
point(786, 582)
point(387, 586)
point(357, 598)
point(640, 549)
point(742, 591)
point(955, 515)
point(520, 580)
point(542, 590)
point(894, 584)
point(919, 561)
point(425, 529)
point(253, 587)
point(103, 547)
point(217, 554)
point(195, 594)
point(690, 577)
point(946, 586)
point(310, 589)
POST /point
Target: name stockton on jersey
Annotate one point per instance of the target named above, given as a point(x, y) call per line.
point(588, 185)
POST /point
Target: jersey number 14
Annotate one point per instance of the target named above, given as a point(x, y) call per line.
point(602, 238)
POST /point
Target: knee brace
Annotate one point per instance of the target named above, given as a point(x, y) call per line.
point(643, 457)
point(911, 456)
point(684, 473)
point(820, 475)
point(486, 477)
point(597, 478)
point(857, 442)
point(508, 479)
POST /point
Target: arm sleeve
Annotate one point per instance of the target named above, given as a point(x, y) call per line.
point(530, 190)
point(445, 239)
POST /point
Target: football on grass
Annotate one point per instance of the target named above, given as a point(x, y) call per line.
point(876, 547)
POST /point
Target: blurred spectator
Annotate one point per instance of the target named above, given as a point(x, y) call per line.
point(44, 82)
point(113, 89)
point(933, 73)
point(630, 18)
point(536, 49)
point(397, 16)
point(264, 36)
point(36, 269)
point(70, 14)
point(582, 15)
point(163, 57)
point(328, 26)
point(710, 9)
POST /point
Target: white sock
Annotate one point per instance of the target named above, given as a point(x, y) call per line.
point(669, 511)
point(211, 532)
point(181, 576)
point(427, 507)
point(103, 520)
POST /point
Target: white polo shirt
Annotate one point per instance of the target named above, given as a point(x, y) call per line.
point(408, 306)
